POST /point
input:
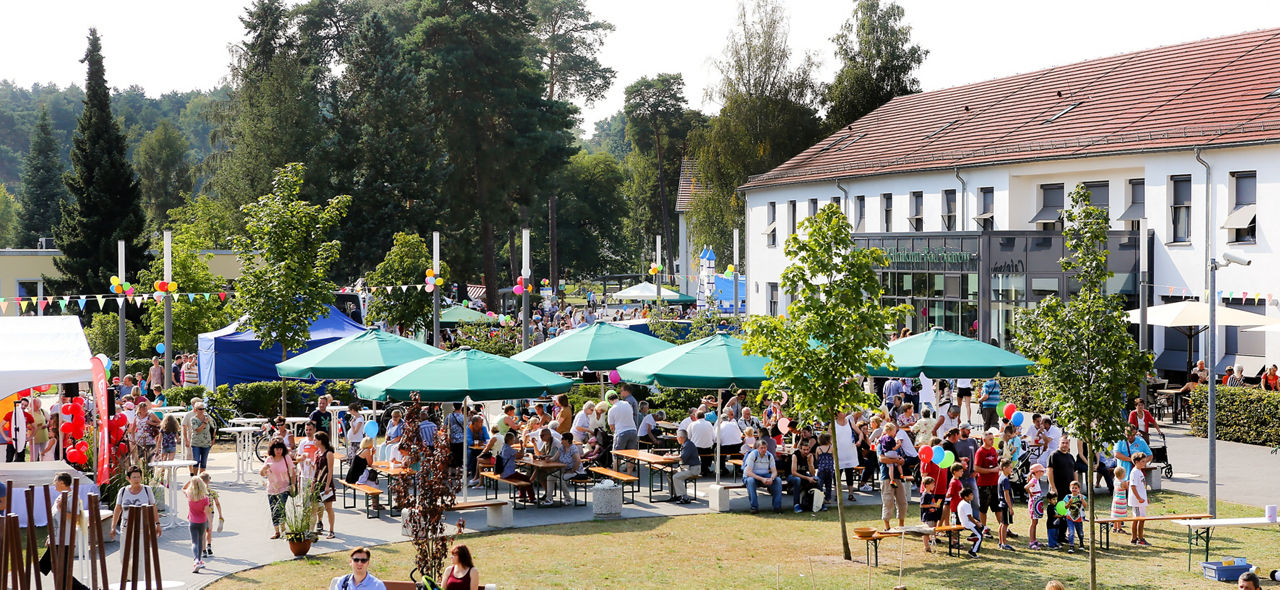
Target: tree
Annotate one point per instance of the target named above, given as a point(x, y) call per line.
point(103, 335)
point(208, 221)
point(611, 137)
point(163, 172)
point(654, 107)
point(1085, 374)
point(832, 330)
point(285, 258)
point(42, 195)
point(9, 215)
point(406, 263)
point(588, 193)
point(878, 62)
point(105, 205)
point(769, 115)
point(192, 314)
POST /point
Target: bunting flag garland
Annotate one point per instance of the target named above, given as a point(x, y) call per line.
point(63, 304)
point(191, 297)
point(207, 295)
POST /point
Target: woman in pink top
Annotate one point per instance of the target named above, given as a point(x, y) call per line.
point(279, 473)
point(197, 515)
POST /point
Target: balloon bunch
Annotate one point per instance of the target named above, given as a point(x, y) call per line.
point(728, 272)
point(120, 287)
point(519, 288)
point(938, 456)
point(117, 425)
point(432, 280)
point(166, 286)
point(546, 282)
point(73, 425)
point(654, 268)
point(1010, 412)
point(506, 320)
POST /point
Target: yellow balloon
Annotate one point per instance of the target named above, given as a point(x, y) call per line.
point(173, 287)
point(439, 281)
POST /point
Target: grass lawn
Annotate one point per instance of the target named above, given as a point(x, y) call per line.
point(791, 551)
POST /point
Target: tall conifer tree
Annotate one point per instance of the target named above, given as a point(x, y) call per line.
point(42, 195)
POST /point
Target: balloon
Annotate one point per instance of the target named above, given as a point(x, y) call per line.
point(79, 401)
point(115, 280)
point(106, 362)
point(659, 267)
point(160, 348)
point(926, 453)
point(999, 441)
point(938, 455)
point(173, 288)
point(1017, 419)
point(157, 286)
point(947, 460)
point(431, 272)
point(1000, 407)
point(1009, 410)
point(66, 409)
point(653, 271)
point(431, 287)
point(439, 281)
point(519, 280)
point(614, 377)
point(518, 290)
point(491, 314)
point(65, 428)
point(82, 446)
point(1061, 508)
point(729, 268)
point(784, 425)
point(371, 429)
point(76, 456)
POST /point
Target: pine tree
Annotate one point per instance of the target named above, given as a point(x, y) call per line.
point(106, 200)
point(163, 172)
point(42, 195)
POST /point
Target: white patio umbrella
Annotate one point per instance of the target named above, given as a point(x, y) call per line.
point(1192, 317)
point(643, 291)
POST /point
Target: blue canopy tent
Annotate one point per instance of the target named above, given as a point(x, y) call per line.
point(724, 293)
point(229, 356)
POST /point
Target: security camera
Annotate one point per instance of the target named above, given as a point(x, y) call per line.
point(1235, 258)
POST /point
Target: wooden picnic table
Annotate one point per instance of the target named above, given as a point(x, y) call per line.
point(651, 460)
point(1200, 530)
point(668, 425)
point(542, 465)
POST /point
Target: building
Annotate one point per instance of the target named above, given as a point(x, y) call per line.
point(687, 263)
point(963, 188)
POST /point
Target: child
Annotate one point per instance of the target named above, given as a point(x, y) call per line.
point(826, 467)
point(1053, 522)
point(953, 491)
point(889, 450)
point(1119, 500)
point(168, 440)
point(1004, 506)
point(208, 530)
point(1075, 517)
point(930, 508)
point(975, 528)
point(1035, 503)
point(1138, 500)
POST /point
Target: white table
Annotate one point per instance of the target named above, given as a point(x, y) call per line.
point(244, 448)
point(170, 483)
point(1200, 530)
point(249, 421)
point(169, 409)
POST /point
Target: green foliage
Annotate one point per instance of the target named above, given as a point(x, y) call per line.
point(104, 204)
point(263, 397)
point(656, 125)
point(406, 263)
point(1245, 414)
point(878, 62)
point(42, 196)
point(135, 366)
point(676, 402)
point(9, 216)
point(589, 204)
point(164, 174)
point(566, 42)
point(208, 222)
point(610, 137)
point(832, 330)
point(1026, 393)
point(191, 316)
point(181, 396)
point(103, 335)
point(502, 341)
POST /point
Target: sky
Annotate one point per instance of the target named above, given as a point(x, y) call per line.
point(165, 45)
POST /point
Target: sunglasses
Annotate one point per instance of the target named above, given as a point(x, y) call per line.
point(360, 559)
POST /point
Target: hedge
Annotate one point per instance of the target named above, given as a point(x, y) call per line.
point(181, 396)
point(135, 366)
point(263, 397)
point(1245, 414)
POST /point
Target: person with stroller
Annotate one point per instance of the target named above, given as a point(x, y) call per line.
point(1142, 420)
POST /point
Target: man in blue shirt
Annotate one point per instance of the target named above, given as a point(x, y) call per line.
point(427, 432)
point(989, 400)
point(761, 469)
point(359, 578)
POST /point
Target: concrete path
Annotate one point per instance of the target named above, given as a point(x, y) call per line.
point(1247, 474)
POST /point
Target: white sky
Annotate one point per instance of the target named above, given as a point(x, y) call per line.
point(165, 45)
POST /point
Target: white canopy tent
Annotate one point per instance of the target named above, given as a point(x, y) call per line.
point(642, 292)
point(41, 350)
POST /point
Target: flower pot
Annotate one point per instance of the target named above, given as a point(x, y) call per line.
point(300, 548)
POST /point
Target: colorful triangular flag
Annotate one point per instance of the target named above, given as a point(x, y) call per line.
point(207, 296)
point(191, 297)
point(63, 303)
point(404, 288)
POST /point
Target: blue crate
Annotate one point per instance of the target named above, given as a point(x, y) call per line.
point(1214, 570)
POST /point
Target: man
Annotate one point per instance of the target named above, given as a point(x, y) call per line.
point(1141, 419)
point(892, 407)
point(190, 371)
point(893, 497)
point(1248, 581)
point(988, 401)
point(760, 468)
point(1062, 471)
point(730, 436)
point(690, 466)
point(17, 428)
point(748, 421)
point(427, 431)
point(359, 578)
point(1127, 448)
point(966, 454)
point(186, 433)
point(948, 421)
point(988, 468)
point(703, 435)
point(456, 423)
point(802, 478)
point(629, 395)
point(1052, 438)
point(155, 375)
point(684, 424)
point(175, 369)
point(623, 425)
point(892, 388)
point(321, 415)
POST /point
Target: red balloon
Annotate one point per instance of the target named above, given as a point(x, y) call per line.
point(77, 431)
point(1009, 410)
point(76, 456)
point(65, 428)
point(926, 454)
point(82, 446)
point(79, 401)
point(66, 409)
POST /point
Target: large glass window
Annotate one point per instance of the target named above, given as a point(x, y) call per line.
point(1242, 342)
point(1009, 287)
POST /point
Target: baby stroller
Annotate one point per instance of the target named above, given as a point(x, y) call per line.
point(1160, 454)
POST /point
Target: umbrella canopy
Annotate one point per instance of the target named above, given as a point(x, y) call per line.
point(939, 353)
point(714, 362)
point(461, 314)
point(644, 291)
point(355, 357)
point(1196, 313)
point(598, 347)
point(458, 374)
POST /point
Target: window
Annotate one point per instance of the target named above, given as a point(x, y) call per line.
point(1050, 204)
point(887, 198)
point(791, 218)
point(1137, 208)
point(984, 218)
point(771, 231)
point(860, 213)
point(1242, 222)
point(1180, 211)
point(1099, 194)
point(949, 210)
point(836, 201)
point(1242, 342)
point(772, 288)
point(916, 219)
point(813, 207)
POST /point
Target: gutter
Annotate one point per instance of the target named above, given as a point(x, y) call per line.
point(964, 199)
point(844, 201)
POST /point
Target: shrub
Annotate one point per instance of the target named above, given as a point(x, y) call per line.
point(1023, 392)
point(1245, 414)
point(181, 396)
point(263, 397)
point(135, 366)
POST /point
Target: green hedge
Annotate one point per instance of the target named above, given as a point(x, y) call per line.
point(1021, 391)
point(675, 401)
point(263, 397)
point(1245, 414)
point(181, 396)
point(135, 366)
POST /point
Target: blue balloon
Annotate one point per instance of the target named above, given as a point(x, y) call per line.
point(939, 454)
point(371, 429)
point(160, 348)
point(107, 365)
point(1017, 419)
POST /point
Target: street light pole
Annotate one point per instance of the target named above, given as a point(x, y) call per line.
point(435, 289)
point(168, 311)
point(525, 271)
point(1213, 389)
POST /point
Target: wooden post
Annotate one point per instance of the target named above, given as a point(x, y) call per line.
point(102, 543)
point(135, 539)
point(155, 546)
point(68, 569)
point(126, 550)
point(4, 551)
point(33, 554)
point(94, 541)
point(15, 554)
point(58, 558)
point(54, 558)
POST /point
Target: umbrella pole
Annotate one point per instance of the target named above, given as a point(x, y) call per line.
point(466, 489)
point(719, 417)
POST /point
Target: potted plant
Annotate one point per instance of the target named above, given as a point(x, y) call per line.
point(299, 521)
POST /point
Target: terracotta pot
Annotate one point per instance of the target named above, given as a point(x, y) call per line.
point(300, 548)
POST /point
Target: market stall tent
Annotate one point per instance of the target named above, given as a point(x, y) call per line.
point(230, 356)
point(42, 350)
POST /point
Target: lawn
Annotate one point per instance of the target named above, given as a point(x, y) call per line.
point(789, 551)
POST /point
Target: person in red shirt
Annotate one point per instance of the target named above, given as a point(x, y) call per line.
point(987, 466)
point(953, 491)
point(1142, 420)
point(1271, 380)
point(18, 431)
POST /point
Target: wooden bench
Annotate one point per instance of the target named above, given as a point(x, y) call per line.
point(874, 540)
point(953, 536)
point(372, 508)
point(491, 481)
point(1106, 530)
point(498, 511)
point(630, 483)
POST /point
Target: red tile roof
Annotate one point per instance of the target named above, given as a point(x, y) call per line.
point(1205, 93)
point(691, 186)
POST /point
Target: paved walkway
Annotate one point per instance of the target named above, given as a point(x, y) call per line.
point(1247, 474)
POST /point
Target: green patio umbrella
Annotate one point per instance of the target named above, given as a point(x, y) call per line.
point(942, 354)
point(714, 362)
point(355, 357)
point(459, 374)
point(598, 347)
point(461, 314)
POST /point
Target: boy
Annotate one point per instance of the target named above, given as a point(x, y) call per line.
point(970, 522)
point(1138, 500)
point(1075, 517)
point(1004, 505)
point(930, 508)
point(1053, 522)
point(953, 491)
point(889, 449)
point(1035, 503)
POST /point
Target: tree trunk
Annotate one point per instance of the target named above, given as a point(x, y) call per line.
point(835, 454)
point(1093, 526)
point(553, 247)
point(490, 265)
point(284, 385)
point(666, 215)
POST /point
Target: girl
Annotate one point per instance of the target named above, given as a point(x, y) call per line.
point(324, 477)
point(1120, 500)
point(284, 433)
point(278, 469)
point(748, 441)
point(169, 437)
point(198, 516)
point(1035, 502)
point(208, 532)
point(461, 574)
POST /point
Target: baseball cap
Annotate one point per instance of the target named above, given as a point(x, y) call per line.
point(966, 426)
point(993, 431)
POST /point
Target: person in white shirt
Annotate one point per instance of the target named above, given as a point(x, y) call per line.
point(948, 421)
point(730, 435)
point(623, 424)
point(703, 435)
point(1053, 435)
point(684, 424)
point(925, 396)
point(649, 424)
point(582, 422)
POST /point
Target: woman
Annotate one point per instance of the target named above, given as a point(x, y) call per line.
point(147, 433)
point(284, 433)
point(866, 456)
point(278, 469)
point(846, 449)
point(1271, 381)
point(134, 494)
point(359, 472)
point(201, 437)
point(564, 414)
point(39, 430)
point(395, 432)
point(509, 422)
point(477, 436)
point(582, 422)
point(461, 574)
point(198, 518)
point(324, 477)
point(540, 412)
point(907, 417)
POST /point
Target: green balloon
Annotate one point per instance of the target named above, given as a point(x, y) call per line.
point(1062, 508)
point(947, 460)
point(1000, 408)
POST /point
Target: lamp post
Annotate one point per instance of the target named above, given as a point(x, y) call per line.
point(1228, 258)
point(435, 290)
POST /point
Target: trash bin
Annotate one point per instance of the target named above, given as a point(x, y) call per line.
point(606, 499)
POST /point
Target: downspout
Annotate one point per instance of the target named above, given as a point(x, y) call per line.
point(964, 200)
point(844, 203)
point(1208, 223)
